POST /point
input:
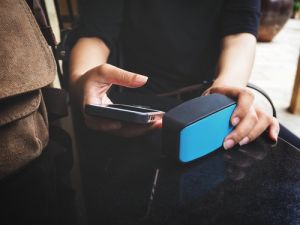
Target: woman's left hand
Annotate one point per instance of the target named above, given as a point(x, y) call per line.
point(249, 120)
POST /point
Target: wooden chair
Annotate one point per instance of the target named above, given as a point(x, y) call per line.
point(295, 102)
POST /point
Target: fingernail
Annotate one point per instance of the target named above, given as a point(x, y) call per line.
point(244, 141)
point(228, 144)
point(141, 79)
point(235, 121)
point(275, 135)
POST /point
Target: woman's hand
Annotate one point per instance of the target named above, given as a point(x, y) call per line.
point(249, 120)
point(93, 86)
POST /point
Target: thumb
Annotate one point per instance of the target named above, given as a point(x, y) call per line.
point(114, 75)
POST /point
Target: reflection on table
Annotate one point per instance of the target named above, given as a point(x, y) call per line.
point(130, 181)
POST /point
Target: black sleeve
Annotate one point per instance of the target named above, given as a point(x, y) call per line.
point(241, 16)
point(101, 18)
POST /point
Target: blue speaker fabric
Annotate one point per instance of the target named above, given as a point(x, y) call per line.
point(197, 127)
point(196, 142)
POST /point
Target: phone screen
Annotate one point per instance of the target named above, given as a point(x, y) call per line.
point(132, 108)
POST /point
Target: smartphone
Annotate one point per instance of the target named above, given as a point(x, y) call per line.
point(126, 113)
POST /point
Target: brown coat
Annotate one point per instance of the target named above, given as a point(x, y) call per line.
point(26, 65)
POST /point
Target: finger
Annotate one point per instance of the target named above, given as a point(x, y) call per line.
point(274, 129)
point(244, 98)
point(96, 94)
point(102, 124)
point(264, 121)
point(241, 130)
point(114, 75)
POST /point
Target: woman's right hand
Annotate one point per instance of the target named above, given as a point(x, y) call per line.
point(92, 88)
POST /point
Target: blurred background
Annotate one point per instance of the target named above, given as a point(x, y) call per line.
point(277, 64)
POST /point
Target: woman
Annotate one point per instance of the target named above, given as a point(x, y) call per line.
point(176, 43)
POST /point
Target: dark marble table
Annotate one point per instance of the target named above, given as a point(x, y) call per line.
point(130, 181)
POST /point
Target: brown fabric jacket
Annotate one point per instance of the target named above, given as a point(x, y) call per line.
point(26, 65)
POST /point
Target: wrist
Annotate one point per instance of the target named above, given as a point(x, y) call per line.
point(76, 90)
point(230, 80)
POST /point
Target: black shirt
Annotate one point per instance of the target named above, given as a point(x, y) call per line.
point(174, 42)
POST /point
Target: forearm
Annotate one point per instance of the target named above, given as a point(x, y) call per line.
point(236, 60)
point(235, 66)
point(86, 54)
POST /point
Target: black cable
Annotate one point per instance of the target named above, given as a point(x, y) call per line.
point(254, 87)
